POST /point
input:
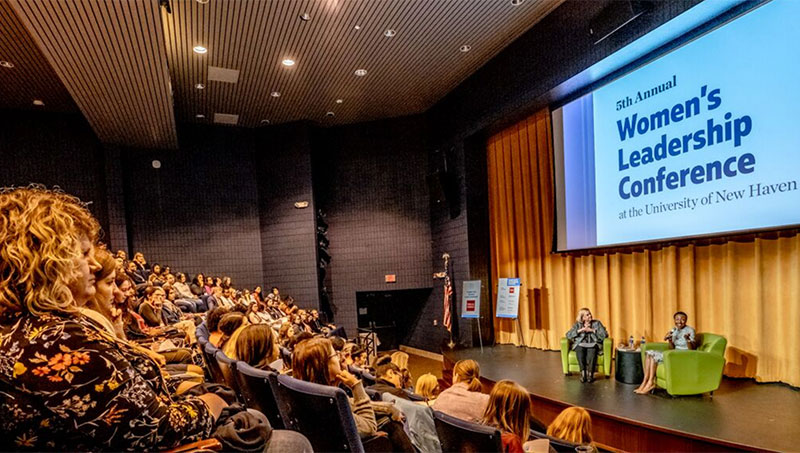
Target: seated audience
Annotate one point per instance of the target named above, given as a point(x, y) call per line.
point(510, 411)
point(680, 337)
point(400, 359)
point(100, 307)
point(574, 425)
point(198, 286)
point(464, 399)
point(428, 388)
point(359, 356)
point(79, 390)
point(257, 347)
point(390, 378)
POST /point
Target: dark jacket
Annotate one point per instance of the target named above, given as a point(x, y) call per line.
point(595, 337)
point(384, 386)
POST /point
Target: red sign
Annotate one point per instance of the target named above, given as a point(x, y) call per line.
point(390, 278)
point(470, 305)
point(511, 290)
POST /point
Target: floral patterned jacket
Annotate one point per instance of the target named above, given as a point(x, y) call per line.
point(66, 385)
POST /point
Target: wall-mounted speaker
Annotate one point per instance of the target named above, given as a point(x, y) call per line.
point(616, 15)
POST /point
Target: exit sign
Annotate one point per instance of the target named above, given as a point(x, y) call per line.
point(390, 278)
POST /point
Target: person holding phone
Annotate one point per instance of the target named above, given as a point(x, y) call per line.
point(680, 337)
point(587, 335)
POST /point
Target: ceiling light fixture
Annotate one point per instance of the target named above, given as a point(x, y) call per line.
point(6, 64)
point(516, 2)
point(199, 86)
point(200, 50)
point(389, 33)
point(361, 72)
point(200, 116)
point(305, 17)
point(288, 62)
point(38, 102)
point(465, 48)
point(265, 121)
point(275, 94)
point(339, 101)
point(357, 27)
point(330, 114)
point(202, 2)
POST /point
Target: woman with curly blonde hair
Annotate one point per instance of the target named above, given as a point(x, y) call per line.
point(63, 379)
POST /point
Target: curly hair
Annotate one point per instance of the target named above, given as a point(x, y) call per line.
point(40, 234)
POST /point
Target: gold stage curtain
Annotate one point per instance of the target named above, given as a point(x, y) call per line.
point(748, 291)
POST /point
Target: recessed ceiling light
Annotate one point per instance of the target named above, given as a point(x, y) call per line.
point(200, 50)
point(6, 64)
point(156, 164)
point(339, 101)
point(329, 114)
point(288, 62)
point(202, 2)
point(199, 86)
point(200, 116)
point(516, 2)
point(361, 72)
point(465, 48)
point(38, 102)
point(389, 33)
point(275, 94)
point(265, 121)
point(305, 17)
point(357, 27)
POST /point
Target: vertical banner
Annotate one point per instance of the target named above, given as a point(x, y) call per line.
point(471, 299)
point(508, 298)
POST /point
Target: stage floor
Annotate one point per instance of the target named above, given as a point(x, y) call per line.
point(743, 412)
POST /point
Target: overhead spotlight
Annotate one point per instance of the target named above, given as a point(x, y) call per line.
point(38, 102)
point(199, 86)
point(389, 33)
point(265, 121)
point(6, 64)
point(330, 114)
point(516, 2)
point(288, 62)
point(339, 101)
point(202, 2)
point(156, 164)
point(200, 116)
point(199, 50)
point(465, 48)
point(361, 72)
point(305, 17)
point(275, 94)
point(357, 27)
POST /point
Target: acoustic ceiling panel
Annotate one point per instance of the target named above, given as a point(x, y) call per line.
point(30, 76)
point(110, 56)
point(406, 73)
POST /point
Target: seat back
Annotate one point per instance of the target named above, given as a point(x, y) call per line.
point(462, 436)
point(322, 413)
point(209, 355)
point(559, 445)
point(712, 343)
point(254, 386)
point(226, 366)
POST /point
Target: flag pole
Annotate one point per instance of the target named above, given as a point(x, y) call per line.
point(448, 286)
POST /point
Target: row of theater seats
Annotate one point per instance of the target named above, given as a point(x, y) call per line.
point(322, 413)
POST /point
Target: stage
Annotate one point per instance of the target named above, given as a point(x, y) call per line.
point(741, 415)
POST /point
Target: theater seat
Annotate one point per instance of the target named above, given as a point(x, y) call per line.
point(209, 356)
point(569, 359)
point(227, 366)
point(256, 391)
point(691, 372)
point(462, 436)
point(322, 414)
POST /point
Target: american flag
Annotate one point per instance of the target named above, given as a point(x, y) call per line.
point(448, 293)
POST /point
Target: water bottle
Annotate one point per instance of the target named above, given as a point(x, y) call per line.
point(641, 345)
point(630, 342)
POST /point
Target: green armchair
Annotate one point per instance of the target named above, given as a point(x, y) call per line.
point(569, 360)
point(690, 372)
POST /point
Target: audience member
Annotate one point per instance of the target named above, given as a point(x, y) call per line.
point(400, 359)
point(428, 388)
point(257, 347)
point(574, 425)
point(464, 399)
point(390, 378)
point(510, 411)
point(212, 324)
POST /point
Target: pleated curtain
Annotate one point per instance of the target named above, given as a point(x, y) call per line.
point(746, 289)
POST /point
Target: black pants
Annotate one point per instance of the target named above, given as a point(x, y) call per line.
point(587, 357)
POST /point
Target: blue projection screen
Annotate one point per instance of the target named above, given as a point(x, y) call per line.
point(703, 140)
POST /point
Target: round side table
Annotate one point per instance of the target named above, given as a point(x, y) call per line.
point(629, 366)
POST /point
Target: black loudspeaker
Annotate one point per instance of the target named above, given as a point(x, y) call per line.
point(617, 14)
point(443, 184)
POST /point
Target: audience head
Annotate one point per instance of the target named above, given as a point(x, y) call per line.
point(300, 337)
point(169, 279)
point(139, 258)
point(315, 361)
point(359, 355)
point(46, 257)
point(157, 269)
point(509, 409)
point(181, 277)
point(584, 315)
point(214, 317)
point(386, 370)
point(155, 295)
point(230, 322)
point(122, 254)
point(468, 372)
point(427, 386)
point(337, 342)
point(210, 281)
point(106, 290)
point(199, 280)
point(573, 424)
point(400, 359)
point(131, 267)
point(257, 346)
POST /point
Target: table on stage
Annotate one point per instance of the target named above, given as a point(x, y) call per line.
point(629, 366)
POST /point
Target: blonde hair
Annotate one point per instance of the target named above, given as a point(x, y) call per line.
point(40, 234)
point(509, 409)
point(582, 312)
point(427, 386)
point(470, 372)
point(573, 424)
point(400, 359)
